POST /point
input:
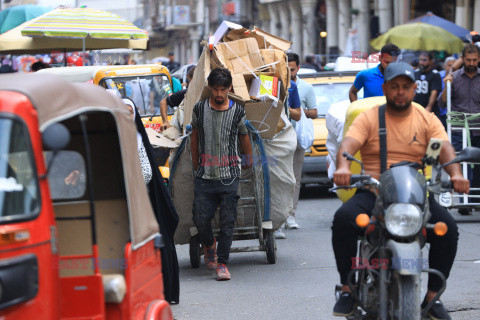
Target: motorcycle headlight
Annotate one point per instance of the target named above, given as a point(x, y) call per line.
point(403, 219)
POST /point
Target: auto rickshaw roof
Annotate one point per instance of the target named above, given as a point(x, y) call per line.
point(96, 73)
point(56, 100)
point(74, 74)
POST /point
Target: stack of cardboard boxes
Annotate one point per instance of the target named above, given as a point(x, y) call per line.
point(260, 74)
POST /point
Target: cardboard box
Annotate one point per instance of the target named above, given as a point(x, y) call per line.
point(277, 63)
point(264, 39)
point(243, 57)
point(239, 56)
point(223, 29)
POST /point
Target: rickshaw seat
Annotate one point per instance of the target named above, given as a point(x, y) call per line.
point(114, 287)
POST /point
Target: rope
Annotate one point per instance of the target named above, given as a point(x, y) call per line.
point(274, 102)
point(462, 120)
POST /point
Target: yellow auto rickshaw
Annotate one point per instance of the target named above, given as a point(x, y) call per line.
point(146, 85)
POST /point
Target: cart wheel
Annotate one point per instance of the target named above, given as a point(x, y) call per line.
point(270, 246)
point(195, 252)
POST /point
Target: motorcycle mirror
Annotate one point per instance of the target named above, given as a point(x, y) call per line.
point(56, 137)
point(469, 154)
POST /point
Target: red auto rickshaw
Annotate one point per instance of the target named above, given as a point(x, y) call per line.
point(78, 236)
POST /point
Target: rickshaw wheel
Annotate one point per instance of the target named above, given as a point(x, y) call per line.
point(270, 246)
point(195, 252)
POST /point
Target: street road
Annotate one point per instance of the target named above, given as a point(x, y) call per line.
point(301, 284)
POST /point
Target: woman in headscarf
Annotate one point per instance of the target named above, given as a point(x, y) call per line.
point(163, 208)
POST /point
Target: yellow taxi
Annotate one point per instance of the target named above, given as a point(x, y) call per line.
point(329, 87)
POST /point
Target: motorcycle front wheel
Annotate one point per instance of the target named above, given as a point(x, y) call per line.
point(405, 297)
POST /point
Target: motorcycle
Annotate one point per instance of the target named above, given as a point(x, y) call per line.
point(385, 280)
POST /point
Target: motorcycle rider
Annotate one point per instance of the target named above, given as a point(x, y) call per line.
point(409, 130)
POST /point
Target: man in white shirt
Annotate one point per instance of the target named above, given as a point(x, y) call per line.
point(309, 105)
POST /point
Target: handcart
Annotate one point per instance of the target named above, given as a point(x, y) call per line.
point(456, 122)
point(253, 210)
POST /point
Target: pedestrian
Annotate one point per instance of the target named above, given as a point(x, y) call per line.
point(429, 83)
point(404, 124)
point(371, 80)
point(310, 63)
point(174, 100)
point(162, 206)
point(466, 99)
point(447, 69)
point(294, 114)
point(218, 124)
point(172, 65)
point(308, 102)
point(414, 64)
point(39, 65)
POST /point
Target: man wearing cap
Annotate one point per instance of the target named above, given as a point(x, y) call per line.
point(409, 130)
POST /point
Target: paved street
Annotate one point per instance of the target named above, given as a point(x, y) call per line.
point(301, 284)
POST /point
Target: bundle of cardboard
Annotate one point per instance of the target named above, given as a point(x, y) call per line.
point(260, 74)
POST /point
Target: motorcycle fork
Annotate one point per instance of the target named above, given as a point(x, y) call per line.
point(384, 255)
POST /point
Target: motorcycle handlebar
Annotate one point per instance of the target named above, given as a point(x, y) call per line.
point(447, 185)
point(358, 181)
point(354, 178)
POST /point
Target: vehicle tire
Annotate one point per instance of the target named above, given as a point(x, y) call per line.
point(405, 294)
point(195, 252)
point(270, 246)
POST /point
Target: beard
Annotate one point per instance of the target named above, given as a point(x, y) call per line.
point(219, 100)
point(399, 107)
point(471, 69)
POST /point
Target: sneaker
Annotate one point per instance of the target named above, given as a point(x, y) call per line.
point(345, 305)
point(222, 272)
point(279, 234)
point(437, 311)
point(210, 256)
point(291, 223)
point(464, 211)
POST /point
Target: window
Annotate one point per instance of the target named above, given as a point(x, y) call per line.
point(329, 93)
point(19, 192)
point(145, 91)
point(66, 175)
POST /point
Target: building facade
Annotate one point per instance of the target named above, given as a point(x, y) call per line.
point(181, 25)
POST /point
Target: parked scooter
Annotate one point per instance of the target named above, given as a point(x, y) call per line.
point(385, 287)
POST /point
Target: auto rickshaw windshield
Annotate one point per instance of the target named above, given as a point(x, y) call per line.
point(19, 191)
point(145, 91)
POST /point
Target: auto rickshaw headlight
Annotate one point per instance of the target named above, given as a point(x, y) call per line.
point(403, 219)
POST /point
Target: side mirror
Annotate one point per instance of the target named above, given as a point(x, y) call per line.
point(469, 154)
point(56, 137)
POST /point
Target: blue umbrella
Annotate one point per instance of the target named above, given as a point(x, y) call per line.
point(451, 27)
point(15, 16)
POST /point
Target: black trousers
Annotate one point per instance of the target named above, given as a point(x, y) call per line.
point(209, 195)
point(345, 233)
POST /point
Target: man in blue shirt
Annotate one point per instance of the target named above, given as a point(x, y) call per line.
point(371, 80)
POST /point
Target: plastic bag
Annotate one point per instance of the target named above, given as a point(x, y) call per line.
point(304, 130)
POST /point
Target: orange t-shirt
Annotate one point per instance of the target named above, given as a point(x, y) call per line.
point(407, 138)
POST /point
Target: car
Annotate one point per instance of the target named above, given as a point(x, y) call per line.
point(181, 73)
point(329, 87)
